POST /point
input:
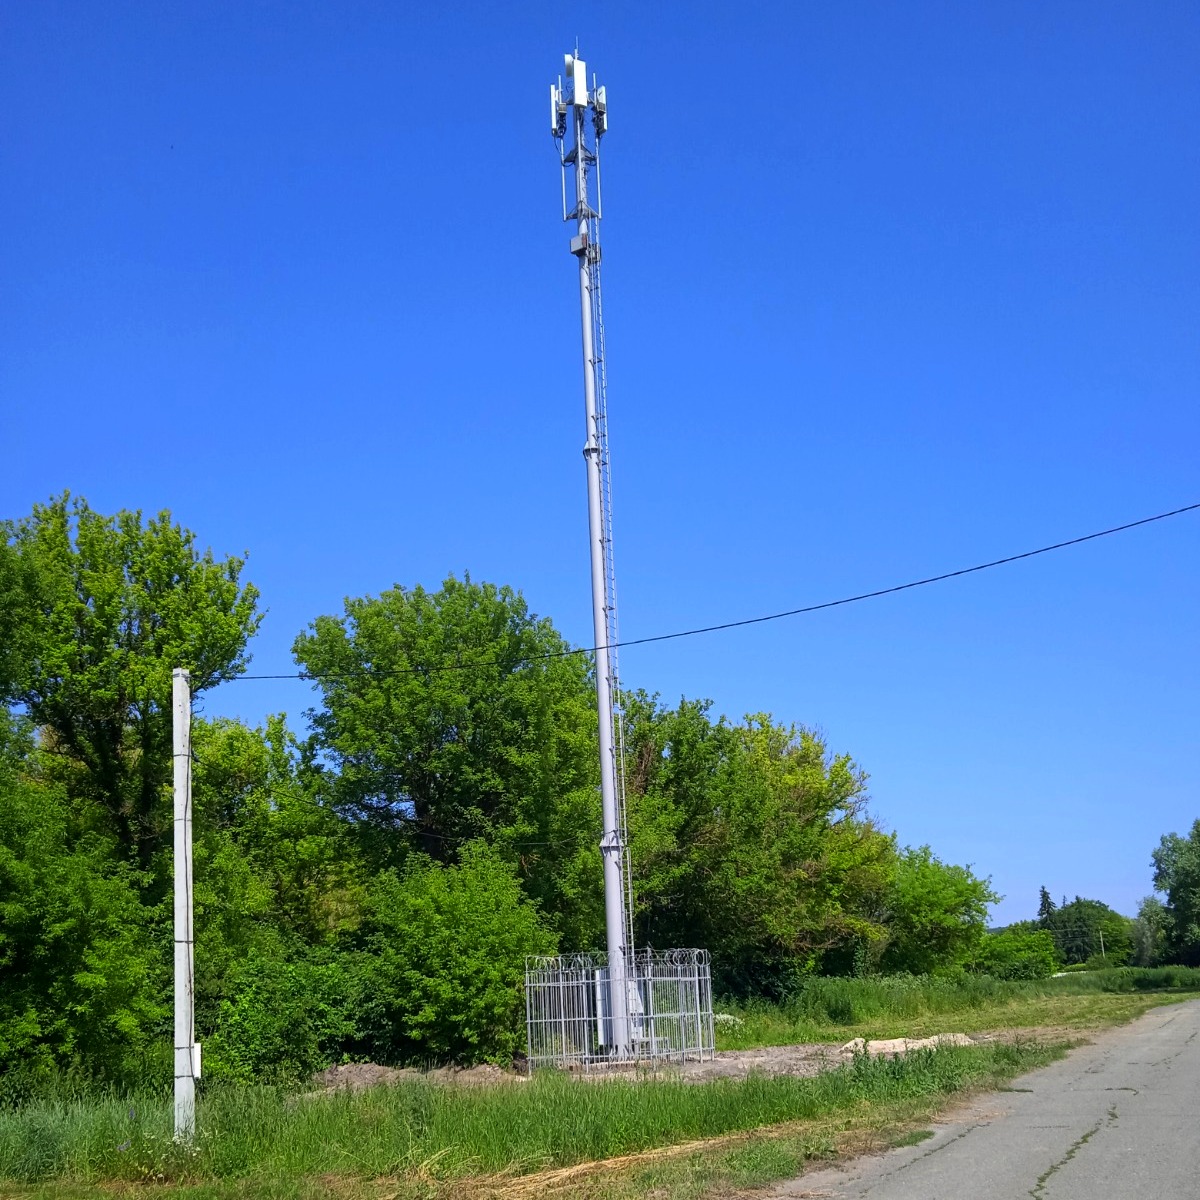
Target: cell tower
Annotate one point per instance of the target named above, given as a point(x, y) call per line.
point(585, 1010)
point(570, 110)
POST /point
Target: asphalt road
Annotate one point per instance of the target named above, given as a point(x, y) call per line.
point(1115, 1120)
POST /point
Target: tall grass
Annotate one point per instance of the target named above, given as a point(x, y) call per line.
point(446, 1131)
point(1131, 979)
point(827, 1003)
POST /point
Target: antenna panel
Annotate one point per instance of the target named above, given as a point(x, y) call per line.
point(558, 112)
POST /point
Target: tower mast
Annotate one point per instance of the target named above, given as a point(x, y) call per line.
point(570, 109)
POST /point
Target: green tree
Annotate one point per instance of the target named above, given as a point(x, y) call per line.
point(109, 606)
point(1177, 875)
point(82, 976)
point(277, 878)
point(1088, 929)
point(15, 600)
point(456, 715)
point(751, 840)
point(1021, 951)
point(1046, 906)
point(255, 798)
point(937, 913)
point(447, 948)
point(1150, 933)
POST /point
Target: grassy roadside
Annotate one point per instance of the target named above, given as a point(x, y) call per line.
point(422, 1140)
point(732, 1166)
point(557, 1136)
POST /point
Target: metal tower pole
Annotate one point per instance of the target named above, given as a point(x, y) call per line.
point(612, 848)
point(185, 1025)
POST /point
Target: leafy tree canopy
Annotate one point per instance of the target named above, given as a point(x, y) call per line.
point(81, 983)
point(457, 715)
point(1087, 929)
point(750, 839)
point(1176, 864)
point(1021, 951)
point(937, 913)
point(106, 608)
point(1150, 933)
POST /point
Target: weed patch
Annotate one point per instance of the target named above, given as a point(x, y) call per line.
point(914, 1137)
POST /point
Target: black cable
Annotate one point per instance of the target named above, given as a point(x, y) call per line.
point(779, 616)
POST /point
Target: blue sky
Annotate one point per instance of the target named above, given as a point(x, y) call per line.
point(890, 290)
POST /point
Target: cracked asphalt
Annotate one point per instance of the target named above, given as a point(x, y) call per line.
point(1116, 1120)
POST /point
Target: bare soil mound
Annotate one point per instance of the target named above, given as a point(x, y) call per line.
point(891, 1047)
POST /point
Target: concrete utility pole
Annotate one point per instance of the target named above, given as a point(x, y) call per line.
point(187, 1053)
point(586, 248)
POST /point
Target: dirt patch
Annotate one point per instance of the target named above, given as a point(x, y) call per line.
point(802, 1061)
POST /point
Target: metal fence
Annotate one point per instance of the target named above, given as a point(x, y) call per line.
point(670, 1009)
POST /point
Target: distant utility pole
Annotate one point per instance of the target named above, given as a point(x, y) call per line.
point(570, 108)
point(187, 1053)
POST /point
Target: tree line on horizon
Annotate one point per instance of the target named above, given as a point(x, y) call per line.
point(371, 889)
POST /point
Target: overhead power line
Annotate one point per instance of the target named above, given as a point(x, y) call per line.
point(744, 621)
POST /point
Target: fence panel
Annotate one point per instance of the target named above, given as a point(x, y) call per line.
point(670, 1007)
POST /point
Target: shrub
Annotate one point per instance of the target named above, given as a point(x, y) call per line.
point(283, 1019)
point(1017, 954)
point(448, 947)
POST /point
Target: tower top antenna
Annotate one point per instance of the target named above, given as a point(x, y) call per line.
point(574, 93)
